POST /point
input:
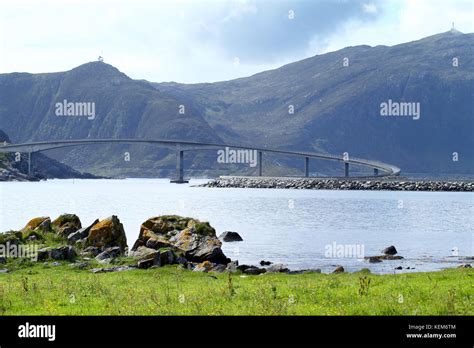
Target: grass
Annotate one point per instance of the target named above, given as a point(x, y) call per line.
point(61, 290)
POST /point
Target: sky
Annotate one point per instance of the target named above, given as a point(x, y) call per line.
point(193, 41)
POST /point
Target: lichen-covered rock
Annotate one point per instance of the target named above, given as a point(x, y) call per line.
point(67, 224)
point(81, 233)
point(39, 224)
point(339, 269)
point(192, 239)
point(142, 253)
point(198, 247)
point(107, 233)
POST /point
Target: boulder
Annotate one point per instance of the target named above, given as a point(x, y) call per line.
point(143, 253)
point(107, 233)
point(278, 268)
point(61, 253)
point(109, 253)
point(81, 233)
point(254, 270)
point(147, 263)
point(465, 266)
point(232, 266)
point(67, 224)
point(391, 250)
point(265, 263)
point(91, 251)
point(339, 269)
point(198, 248)
point(229, 236)
point(205, 266)
point(35, 223)
point(374, 259)
point(192, 239)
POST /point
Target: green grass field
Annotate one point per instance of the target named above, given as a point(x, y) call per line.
point(61, 290)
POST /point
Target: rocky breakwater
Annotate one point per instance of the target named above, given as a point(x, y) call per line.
point(389, 184)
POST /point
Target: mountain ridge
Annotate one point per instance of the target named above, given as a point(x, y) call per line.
point(336, 109)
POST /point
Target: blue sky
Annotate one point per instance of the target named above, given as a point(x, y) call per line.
point(208, 40)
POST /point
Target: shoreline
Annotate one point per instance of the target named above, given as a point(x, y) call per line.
point(356, 184)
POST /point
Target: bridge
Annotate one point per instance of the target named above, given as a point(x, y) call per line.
point(186, 146)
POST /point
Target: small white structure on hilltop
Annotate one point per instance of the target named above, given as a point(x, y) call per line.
point(454, 30)
point(100, 59)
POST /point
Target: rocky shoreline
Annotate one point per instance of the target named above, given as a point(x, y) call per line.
point(369, 184)
point(163, 240)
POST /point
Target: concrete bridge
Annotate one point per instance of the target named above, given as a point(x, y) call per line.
point(182, 146)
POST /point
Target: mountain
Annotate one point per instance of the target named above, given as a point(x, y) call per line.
point(13, 168)
point(337, 109)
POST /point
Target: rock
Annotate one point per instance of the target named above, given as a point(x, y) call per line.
point(232, 266)
point(109, 253)
point(67, 224)
point(399, 267)
point(108, 233)
point(91, 251)
point(35, 223)
point(465, 266)
point(143, 253)
point(254, 270)
point(4, 270)
point(205, 266)
point(278, 268)
point(167, 257)
point(242, 268)
point(373, 259)
point(80, 265)
point(265, 263)
point(112, 269)
point(339, 269)
point(379, 258)
point(62, 253)
point(229, 236)
point(147, 263)
point(391, 250)
point(45, 226)
point(81, 233)
point(189, 238)
point(55, 263)
point(198, 248)
point(219, 268)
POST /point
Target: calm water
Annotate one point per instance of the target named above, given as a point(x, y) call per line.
point(285, 226)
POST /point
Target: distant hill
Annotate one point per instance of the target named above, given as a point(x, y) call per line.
point(336, 110)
